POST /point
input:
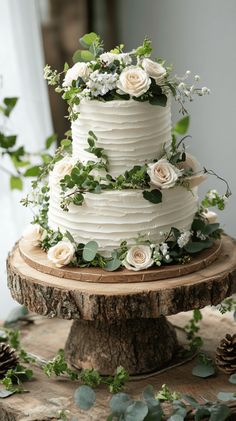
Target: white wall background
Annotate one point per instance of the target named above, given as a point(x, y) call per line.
point(200, 36)
point(21, 70)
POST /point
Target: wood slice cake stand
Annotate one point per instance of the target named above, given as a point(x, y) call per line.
point(119, 318)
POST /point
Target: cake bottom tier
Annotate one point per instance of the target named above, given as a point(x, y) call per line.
point(114, 216)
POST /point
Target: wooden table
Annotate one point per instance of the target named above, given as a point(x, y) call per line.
point(121, 323)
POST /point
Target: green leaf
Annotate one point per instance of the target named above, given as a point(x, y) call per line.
point(148, 392)
point(69, 236)
point(87, 39)
point(113, 265)
point(10, 105)
point(137, 411)
point(203, 370)
point(153, 196)
point(160, 100)
point(119, 402)
point(7, 142)
point(32, 171)
point(219, 413)
point(182, 125)
point(65, 143)
point(82, 55)
point(232, 378)
point(201, 413)
point(226, 396)
point(210, 228)
point(85, 397)
point(50, 140)
point(16, 183)
point(197, 246)
point(90, 250)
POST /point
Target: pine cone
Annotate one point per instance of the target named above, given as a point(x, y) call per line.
point(8, 359)
point(226, 354)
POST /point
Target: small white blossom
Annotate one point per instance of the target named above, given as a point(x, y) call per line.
point(197, 78)
point(164, 249)
point(182, 85)
point(188, 73)
point(184, 239)
point(212, 194)
point(205, 90)
point(101, 83)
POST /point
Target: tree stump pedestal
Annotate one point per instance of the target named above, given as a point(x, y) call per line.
point(119, 318)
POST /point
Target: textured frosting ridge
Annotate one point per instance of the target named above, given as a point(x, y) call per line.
point(130, 132)
point(114, 216)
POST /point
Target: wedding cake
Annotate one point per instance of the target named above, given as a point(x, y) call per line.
point(124, 191)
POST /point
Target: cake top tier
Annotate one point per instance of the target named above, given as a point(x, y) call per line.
point(118, 75)
point(131, 133)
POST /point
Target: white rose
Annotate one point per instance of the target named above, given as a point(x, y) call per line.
point(211, 216)
point(78, 70)
point(62, 168)
point(133, 81)
point(61, 254)
point(110, 57)
point(138, 257)
point(154, 70)
point(163, 174)
point(34, 234)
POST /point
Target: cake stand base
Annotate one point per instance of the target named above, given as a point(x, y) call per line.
point(139, 345)
point(121, 323)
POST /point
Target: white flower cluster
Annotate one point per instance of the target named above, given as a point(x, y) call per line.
point(184, 239)
point(101, 83)
point(186, 90)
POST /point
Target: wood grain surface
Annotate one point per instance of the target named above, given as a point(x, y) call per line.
point(37, 259)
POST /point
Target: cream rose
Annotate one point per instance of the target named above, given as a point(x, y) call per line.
point(154, 70)
point(191, 164)
point(211, 216)
point(163, 174)
point(138, 257)
point(62, 168)
point(78, 70)
point(61, 254)
point(34, 234)
point(133, 81)
point(110, 57)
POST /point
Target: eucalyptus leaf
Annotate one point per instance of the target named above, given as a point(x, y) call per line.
point(210, 228)
point(181, 127)
point(148, 392)
point(113, 265)
point(90, 250)
point(153, 196)
point(119, 402)
point(137, 411)
point(85, 397)
point(66, 142)
point(203, 370)
point(197, 246)
point(232, 378)
point(226, 396)
point(219, 412)
point(70, 237)
point(176, 417)
point(88, 39)
point(201, 413)
point(83, 55)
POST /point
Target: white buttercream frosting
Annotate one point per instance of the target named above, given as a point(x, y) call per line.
point(114, 216)
point(131, 132)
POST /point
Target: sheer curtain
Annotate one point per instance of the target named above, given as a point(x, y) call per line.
point(21, 70)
